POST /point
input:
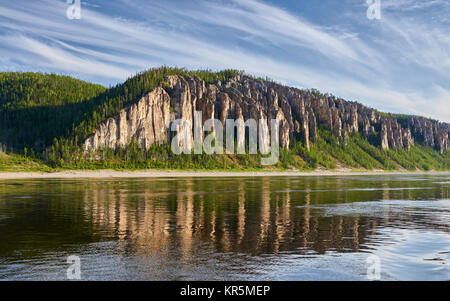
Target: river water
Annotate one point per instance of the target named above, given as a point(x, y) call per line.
point(262, 228)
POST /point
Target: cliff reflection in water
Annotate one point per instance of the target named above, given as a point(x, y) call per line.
point(251, 215)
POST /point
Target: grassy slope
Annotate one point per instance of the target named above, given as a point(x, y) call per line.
point(19, 163)
point(324, 153)
point(357, 154)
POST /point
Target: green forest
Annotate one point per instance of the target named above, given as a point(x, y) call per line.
point(45, 117)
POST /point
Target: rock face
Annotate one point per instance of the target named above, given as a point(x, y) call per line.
point(146, 121)
point(299, 113)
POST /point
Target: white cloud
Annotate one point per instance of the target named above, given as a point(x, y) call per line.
point(58, 58)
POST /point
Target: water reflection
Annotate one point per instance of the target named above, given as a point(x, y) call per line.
point(255, 222)
point(220, 225)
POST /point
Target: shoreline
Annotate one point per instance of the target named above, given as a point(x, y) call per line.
point(98, 174)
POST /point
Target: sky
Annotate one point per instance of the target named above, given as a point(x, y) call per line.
point(397, 63)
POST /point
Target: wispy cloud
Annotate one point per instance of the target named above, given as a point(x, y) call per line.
point(411, 5)
point(63, 58)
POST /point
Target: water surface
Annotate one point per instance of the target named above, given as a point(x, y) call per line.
point(266, 228)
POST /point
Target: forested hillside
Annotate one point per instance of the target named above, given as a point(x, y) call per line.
point(23, 90)
point(35, 108)
point(47, 119)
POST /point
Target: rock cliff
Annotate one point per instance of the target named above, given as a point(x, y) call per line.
point(300, 113)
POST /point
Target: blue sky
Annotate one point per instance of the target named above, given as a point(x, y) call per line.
point(400, 63)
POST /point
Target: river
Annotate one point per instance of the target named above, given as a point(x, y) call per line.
point(394, 227)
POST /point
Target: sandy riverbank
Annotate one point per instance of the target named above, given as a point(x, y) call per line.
point(181, 174)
